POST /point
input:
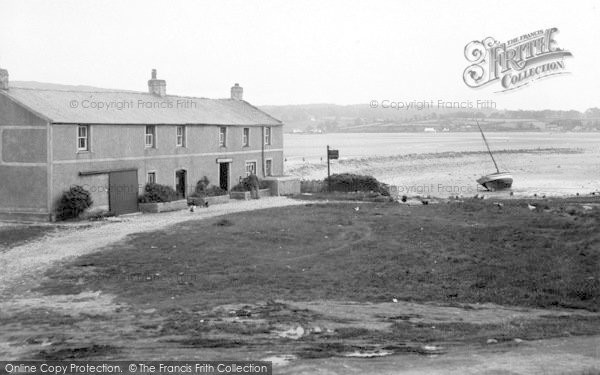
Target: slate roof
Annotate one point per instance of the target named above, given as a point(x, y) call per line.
point(74, 105)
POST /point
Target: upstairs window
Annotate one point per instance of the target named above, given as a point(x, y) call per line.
point(246, 137)
point(181, 136)
point(83, 138)
point(267, 136)
point(222, 136)
point(150, 136)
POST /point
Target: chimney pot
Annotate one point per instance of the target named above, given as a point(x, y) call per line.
point(157, 86)
point(237, 92)
point(3, 79)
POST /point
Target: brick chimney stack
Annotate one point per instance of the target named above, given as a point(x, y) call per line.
point(3, 79)
point(237, 92)
point(157, 86)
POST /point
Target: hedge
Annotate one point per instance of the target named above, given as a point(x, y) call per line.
point(348, 182)
point(157, 193)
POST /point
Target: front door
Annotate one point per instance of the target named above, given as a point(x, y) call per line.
point(123, 192)
point(224, 176)
point(180, 182)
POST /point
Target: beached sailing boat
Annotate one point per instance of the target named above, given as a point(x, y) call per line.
point(494, 181)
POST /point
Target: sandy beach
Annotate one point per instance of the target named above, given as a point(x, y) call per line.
point(542, 165)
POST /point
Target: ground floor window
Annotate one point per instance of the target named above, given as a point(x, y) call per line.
point(250, 168)
point(151, 179)
point(269, 167)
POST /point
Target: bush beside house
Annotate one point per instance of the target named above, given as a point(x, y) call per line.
point(160, 198)
point(243, 189)
point(206, 194)
point(73, 202)
point(157, 193)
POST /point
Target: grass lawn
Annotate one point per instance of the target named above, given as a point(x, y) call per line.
point(14, 235)
point(472, 251)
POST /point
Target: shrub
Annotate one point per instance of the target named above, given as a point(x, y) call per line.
point(204, 189)
point(213, 191)
point(244, 185)
point(348, 182)
point(201, 186)
point(73, 202)
point(156, 193)
point(240, 187)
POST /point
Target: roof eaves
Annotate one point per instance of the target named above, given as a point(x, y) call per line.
point(25, 106)
point(264, 113)
point(156, 123)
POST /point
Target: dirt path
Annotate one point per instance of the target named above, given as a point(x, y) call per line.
point(23, 266)
point(97, 325)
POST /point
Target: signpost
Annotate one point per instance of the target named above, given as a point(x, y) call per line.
point(331, 155)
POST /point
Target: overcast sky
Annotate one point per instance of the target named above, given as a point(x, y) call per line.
point(283, 52)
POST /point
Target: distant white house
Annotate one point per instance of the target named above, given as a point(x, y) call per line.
point(430, 130)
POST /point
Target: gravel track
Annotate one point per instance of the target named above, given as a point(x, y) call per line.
point(23, 266)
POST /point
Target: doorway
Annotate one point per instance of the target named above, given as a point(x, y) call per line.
point(224, 176)
point(180, 182)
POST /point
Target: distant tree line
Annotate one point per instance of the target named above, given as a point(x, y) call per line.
point(362, 112)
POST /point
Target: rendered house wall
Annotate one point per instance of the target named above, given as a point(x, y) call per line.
point(23, 162)
point(116, 147)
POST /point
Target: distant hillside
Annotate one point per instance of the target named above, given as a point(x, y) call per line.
point(363, 118)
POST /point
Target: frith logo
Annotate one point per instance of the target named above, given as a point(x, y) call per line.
point(515, 63)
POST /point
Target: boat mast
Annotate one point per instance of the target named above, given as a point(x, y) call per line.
point(488, 147)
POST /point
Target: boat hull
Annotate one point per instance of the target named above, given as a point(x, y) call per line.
point(496, 181)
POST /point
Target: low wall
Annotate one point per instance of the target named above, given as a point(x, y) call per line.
point(163, 206)
point(208, 201)
point(246, 195)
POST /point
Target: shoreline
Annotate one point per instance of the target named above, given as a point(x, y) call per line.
point(450, 154)
point(564, 172)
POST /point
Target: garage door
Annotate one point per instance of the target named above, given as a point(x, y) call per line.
point(123, 192)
